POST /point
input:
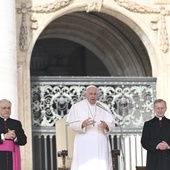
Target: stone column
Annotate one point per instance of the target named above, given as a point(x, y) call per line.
point(163, 82)
point(8, 59)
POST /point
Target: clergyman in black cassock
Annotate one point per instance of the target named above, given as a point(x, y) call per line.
point(11, 131)
point(156, 138)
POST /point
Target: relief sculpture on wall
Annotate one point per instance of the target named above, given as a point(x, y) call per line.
point(158, 21)
point(159, 15)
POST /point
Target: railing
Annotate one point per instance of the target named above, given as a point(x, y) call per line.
point(127, 141)
point(131, 152)
point(44, 149)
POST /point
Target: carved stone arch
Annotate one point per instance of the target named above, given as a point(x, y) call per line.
point(141, 55)
point(141, 30)
point(130, 52)
point(113, 47)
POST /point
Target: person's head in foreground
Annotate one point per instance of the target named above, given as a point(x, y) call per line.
point(91, 94)
point(160, 107)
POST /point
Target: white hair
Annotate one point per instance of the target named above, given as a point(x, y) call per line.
point(4, 100)
point(90, 87)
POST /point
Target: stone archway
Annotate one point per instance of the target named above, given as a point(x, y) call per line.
point(113, 42)
point(45, 18)
point(108, 40)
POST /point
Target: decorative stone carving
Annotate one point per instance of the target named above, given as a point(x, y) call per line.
point(34, 23)
point(23, 36)
point(93, 5)
point(134, 7)
point(162, 1)
point(51, 7)
point(163, 34)
point(161, 12)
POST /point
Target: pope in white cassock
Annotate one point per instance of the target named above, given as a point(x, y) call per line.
point(92, 125)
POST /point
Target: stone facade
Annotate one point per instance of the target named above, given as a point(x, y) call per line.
point(149, 19)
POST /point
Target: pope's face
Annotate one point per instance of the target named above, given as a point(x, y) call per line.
point(5, 109)
point(91, 95)
point(160, 109)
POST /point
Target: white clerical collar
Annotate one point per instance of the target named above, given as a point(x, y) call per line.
point(3, 118)
point(160, 118)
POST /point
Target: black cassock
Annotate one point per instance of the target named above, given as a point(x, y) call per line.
point(153, 134)
point(5, 156)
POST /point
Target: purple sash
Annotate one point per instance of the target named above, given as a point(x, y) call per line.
point(9, 145)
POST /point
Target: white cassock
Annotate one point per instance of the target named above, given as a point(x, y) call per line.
point(91, 144)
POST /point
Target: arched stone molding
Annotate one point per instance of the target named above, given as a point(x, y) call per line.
point(114, 50)
point(141, 29)
point(109, 8)
point(116, 12)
